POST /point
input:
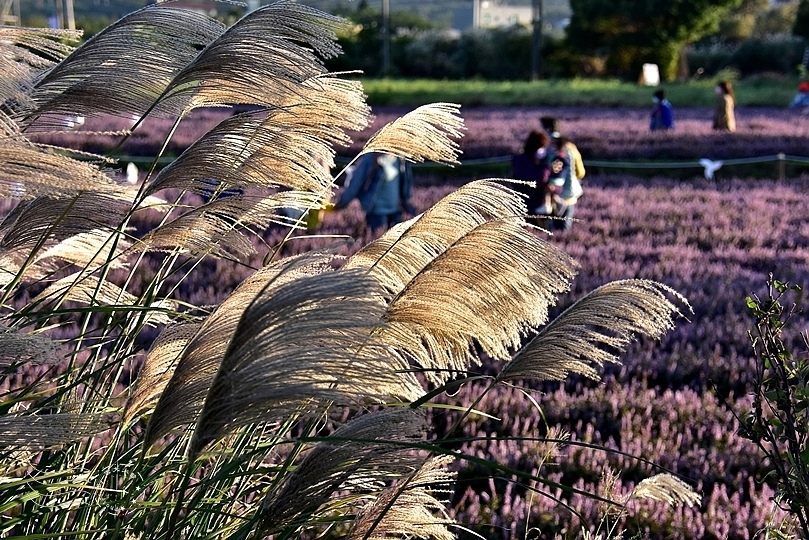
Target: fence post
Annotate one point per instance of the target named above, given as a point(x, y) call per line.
point(781, 166)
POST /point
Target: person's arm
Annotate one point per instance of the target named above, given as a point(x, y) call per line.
point(578, 162)
point(358, 179)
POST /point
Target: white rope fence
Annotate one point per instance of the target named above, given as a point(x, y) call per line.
point(707, 165)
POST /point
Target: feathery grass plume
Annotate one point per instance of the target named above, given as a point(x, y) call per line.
point(425, 133)
point(17, 347)
point(185, 393)
point(326, 106)
point(33, 227)
point(25, 54)
point(9, 128)
point(162, 358)
point(611, 316)
point(28, 171)
point(404, 250)
point(124, 68)
point(489, 288)
point(416, 513)
point(57, 219)
point(609, 489)
point(305, 344)
point(667, 488)
point(88, 250)
point(260, 60)
point(38, 431)
point(218, 227)
point(270, 148)
point(210, 229)
point(364, 455)
point(84, 288)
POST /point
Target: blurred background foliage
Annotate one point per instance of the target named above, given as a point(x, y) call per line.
point(581, 38)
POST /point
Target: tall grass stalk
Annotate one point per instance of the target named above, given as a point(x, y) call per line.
point(301, 405)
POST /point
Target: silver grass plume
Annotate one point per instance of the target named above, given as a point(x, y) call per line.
point(45, 222)
point(290, 146)
point(403, 251)
point(489, 288)
point(250, 149)
point(87, 250)
point(38, 431)
point(17, 347)
point(25, 54)
point(363, 455)
point(218, 227)
point(184, 395)
point(609, 489)
point(426, 133)
point(303, 345)
point(261, 60)
point(210, 229)
point(28, 171)
point(416, 512)
point(666, 488)
point(84, 288)
point(158, 367)
point(582, 337)
point(123, 69)
point(9, 129)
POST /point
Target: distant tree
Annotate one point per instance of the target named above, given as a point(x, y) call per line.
point(801, 26)
point(362, 42)
point(740, 22)
point(631, 32)
point(778, 19)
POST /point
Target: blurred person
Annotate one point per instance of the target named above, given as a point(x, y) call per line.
point(530, 166)
point(563, 183)
point(551, 126)
point(724, 118)
point(662, 117)
point(566, 170)
point(801, 99)
point(383, 183)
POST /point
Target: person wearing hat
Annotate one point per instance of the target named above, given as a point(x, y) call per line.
point(801, 100)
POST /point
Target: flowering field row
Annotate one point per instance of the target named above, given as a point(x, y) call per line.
point(603, 134)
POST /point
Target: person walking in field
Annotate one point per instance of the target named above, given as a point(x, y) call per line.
point(566, 172)
point(662, 117)
point(724, 118)
point(383, 183)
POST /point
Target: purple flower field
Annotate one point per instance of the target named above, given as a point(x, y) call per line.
point(669, 402)
point(715, 244)
point(601, 134)
point(623, 133)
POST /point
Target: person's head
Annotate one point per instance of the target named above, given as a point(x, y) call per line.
point(560, 142)
point(535, 140)
point(549, 124)
point(660, 95)
point(724, 87)
point(803, 88)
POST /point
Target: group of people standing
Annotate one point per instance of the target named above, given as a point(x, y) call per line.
point(724, 117)
point(554, 167)
point(550, 161)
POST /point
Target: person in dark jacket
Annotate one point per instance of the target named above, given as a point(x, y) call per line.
point(530, 166)
point(662, 117)
point(383, 183)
